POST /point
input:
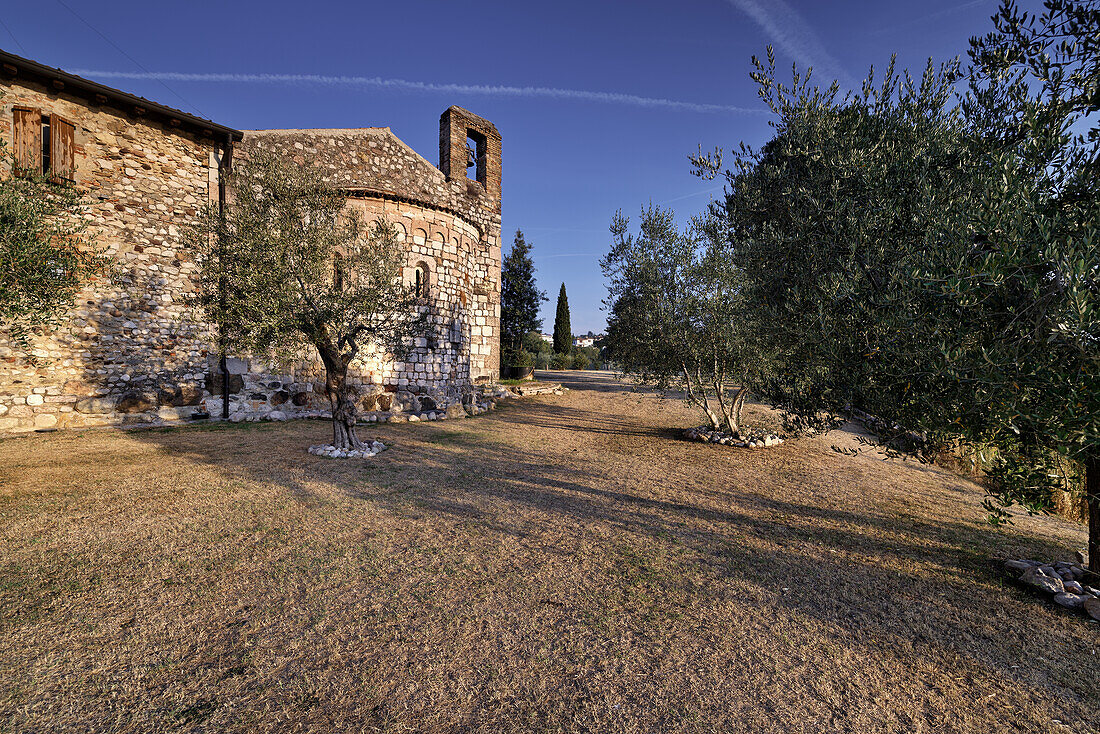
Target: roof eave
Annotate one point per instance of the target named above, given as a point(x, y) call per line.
point(16, 66)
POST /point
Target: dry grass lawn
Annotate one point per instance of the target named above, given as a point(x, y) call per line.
point(564, 564)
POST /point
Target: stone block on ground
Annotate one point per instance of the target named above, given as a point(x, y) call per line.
point(1050, 583)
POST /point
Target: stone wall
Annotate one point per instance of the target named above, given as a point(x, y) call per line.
point(131, 349)
point(452, 227)
point(134, 352)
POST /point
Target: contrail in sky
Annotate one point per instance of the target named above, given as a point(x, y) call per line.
point(791, 33)
point(411, 86)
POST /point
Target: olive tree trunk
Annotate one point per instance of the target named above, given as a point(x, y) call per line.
point(728, 415)
point(342, 399)
point(733, 415)
point(701, 398)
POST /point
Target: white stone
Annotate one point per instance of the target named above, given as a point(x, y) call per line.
point(35, 399)
point(45, 420)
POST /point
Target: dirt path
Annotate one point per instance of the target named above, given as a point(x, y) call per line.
point(563, 564)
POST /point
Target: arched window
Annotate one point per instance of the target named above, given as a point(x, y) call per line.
point(420, 280)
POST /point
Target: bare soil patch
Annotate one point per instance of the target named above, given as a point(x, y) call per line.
point(566, 563)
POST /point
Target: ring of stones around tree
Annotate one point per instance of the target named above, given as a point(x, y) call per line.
point(1067, 583)
point(329, 451)
point(747, 439)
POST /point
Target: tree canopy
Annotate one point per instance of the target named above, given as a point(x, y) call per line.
point(288, 265)
point(921, 254)
point(677, 314)
point(563, 332)
point(45, 258)
point(520, 297)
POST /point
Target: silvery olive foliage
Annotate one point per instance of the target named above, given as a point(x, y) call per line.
point(45, 255)
point(288, 265)
point(677, 316)
point(930, 256)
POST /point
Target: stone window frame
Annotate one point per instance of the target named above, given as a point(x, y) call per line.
point(421, 277)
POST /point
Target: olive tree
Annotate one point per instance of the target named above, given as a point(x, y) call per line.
point(45, 257)
point(677, 315)
point(1033, 271)
point(933, 259)
point(825, 224)
point(286, 265)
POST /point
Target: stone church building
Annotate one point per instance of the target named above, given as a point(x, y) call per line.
point(133, 350)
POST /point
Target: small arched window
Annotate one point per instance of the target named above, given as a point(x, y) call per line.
point(420, 280)
point(399, 231)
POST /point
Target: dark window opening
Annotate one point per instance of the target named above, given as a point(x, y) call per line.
point(338, 272)
point(45, 144)
point(476, 156)
point(420, 281)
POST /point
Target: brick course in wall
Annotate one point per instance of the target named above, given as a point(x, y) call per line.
point(133, 350)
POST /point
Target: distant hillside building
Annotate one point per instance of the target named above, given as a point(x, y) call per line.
point(133, 351)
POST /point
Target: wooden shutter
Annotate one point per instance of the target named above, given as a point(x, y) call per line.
point(61, 148)
point(27, 140)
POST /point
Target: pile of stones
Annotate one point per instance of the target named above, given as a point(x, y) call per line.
point(539, 388)
point(749, 440)
point(440, 415)
point(329, 451)
point(1064, 581)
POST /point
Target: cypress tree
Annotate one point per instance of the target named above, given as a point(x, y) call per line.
point(519, 296)
point(563, 332)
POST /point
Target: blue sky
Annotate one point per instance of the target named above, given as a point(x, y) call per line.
point(599, 103)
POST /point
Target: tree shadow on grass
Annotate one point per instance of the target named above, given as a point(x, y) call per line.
point(903, 588)
point(922, 583)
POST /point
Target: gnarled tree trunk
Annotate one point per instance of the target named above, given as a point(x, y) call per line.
point(702, 399)
point(733, 415)
point(341, 398)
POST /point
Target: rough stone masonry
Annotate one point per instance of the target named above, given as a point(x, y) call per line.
point(134, 351)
